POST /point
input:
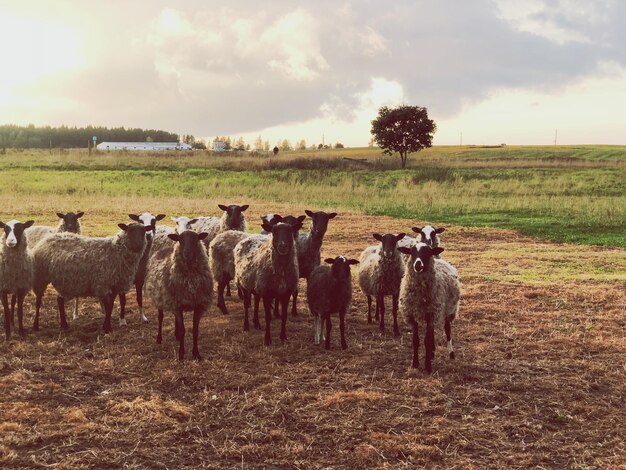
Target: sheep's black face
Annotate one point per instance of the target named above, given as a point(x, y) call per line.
point(234, 214)
point(320, 221)
point(282, 238)
point(294, 221)
point(70, 220)
point(421, 256)
point(136, 236)
point(190, 246)
point(14, 232)
point(429, 235)
point(389, 242)
point(340, 266)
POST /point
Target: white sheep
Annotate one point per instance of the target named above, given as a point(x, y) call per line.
point(329, 290)
point(267, 266)
point(178, 280)
point(380, 273)
point(79, 266)
point(429, 295)
point(16, 270)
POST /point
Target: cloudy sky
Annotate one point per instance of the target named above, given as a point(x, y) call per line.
point(494, 70)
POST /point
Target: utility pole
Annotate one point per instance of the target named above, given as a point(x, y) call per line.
point(555, 134)
point(461, 142)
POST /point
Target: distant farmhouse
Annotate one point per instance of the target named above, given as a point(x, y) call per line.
point(219, 146)
point(142, 146)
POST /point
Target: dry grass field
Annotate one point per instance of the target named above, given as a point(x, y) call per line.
point(539, 378)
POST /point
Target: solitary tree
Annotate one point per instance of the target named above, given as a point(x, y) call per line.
point(404, 129)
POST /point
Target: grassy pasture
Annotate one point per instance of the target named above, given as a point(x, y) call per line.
point(540, 340)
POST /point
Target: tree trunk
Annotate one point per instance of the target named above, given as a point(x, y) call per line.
point(403, 159)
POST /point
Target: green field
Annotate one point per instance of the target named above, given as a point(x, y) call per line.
point(564, 194)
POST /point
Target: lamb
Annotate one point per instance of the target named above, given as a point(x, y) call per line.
point(69, 222)
point(329, 290)
point(179, 280)
point(79, 266)
point(147, 220)
point(267, 266)
point(232, 219)
point(16, 270)
point(380, 273)
point(161, 239)
point(429, 295)
point(429, 235)
point(309, 246)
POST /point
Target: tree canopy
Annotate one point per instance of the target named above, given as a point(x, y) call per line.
point(404, 130)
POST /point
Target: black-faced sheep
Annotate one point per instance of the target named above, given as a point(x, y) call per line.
point(267, 266)
point(79, 266)
point(329, 290)
point(232, 219)
point(380, 273)
point(16, 270)
point(179, 280)
point(147, 220)
point(429, 295)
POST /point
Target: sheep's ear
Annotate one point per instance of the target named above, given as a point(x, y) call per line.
point(440, 230)
point(267, 227)
point(329, 260)
point(79, 214)
point(404, 250)
point(134, 217)
point(400, 236)
point(377, 236)
point(28, 223)
point(160, 217)
point(296, 227)
point(332, 215)
point(244, 207)
point(222, 206)
point(60, 215)
point(353, 261)
point(202, 235)
point(174, 219)
point(173, 236)
point(123, 226)
point(2, 225)
point(301, 218)
point(308, 212)
point(192, 221)
point(436, 251)
point(278, 218)
point(416, 229)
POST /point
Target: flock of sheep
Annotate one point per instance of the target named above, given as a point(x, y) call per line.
point(179, 265)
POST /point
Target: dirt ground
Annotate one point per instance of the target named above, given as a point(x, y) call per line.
point(538, 379)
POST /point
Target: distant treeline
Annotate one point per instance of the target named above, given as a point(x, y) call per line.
point(12, 136)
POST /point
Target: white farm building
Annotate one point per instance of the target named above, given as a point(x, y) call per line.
point(142, 146)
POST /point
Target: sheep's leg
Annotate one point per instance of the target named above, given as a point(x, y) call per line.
point(267, 305)
point(328, 327)
point(221, 304)
point(7, 315)
point(20, 311)
point(239, 292)
point(228, 294)
point(13, 302)
point(122, 297)
point(380, 304)
point(416, 342)
point(284, 301)
point(377, 316)
point(107, 303)
point(75, 312)
point(246, 310)
point(396, 330)
point(139, 292)
point(342, 328)
point(448, 329)
point(294, 309)
point(180, 322)
point(317, 329)
point(323, 328)
point(255, 318)
point(276, 309)
point(197, 313)
point(369, 309)
point(61, 305)
point(159, 337)
point(429, 341)
point(37, 308)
